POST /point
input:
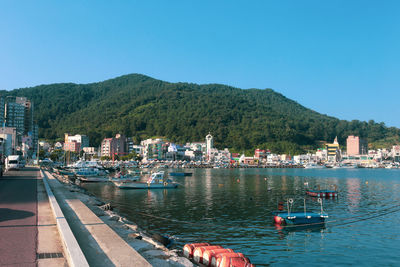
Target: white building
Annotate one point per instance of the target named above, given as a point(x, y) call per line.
point(82, 139)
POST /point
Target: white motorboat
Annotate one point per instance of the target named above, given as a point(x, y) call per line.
point(155, 181)
point(313, 166)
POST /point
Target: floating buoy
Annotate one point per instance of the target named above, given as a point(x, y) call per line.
point(208, 254)
point(366, 182)
point(238, 180)
point(216, 260)
point(278, 220)
point(198, 252)
point(188, 249)
point(237, 261)
point(265, 178)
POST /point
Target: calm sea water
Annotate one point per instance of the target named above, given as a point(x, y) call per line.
point(232, 208)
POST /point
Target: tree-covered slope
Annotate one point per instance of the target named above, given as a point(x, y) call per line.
point(142, 107)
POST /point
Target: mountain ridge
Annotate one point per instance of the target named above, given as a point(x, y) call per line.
point(141, 106)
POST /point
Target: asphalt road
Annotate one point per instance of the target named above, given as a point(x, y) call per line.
point(18, 217)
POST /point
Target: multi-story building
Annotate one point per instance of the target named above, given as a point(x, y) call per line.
point(396, 153)
point(15, 116)
point(72, 146)
point(106, 147)
point(114, 146)
point(17, 112)
point(2, 112)
point(356, 146)
point(333, 151)
point(83, 140)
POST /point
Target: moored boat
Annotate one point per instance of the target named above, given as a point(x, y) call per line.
point(322, 193)
point(155, 181)
point(290, 217)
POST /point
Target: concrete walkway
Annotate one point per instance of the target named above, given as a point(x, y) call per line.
point(28, 234)
point(99, 243)
point(32, 232)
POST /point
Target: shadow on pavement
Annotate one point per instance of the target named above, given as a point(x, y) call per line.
point(9, 214)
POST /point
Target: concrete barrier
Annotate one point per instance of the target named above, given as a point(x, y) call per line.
point(75, 256)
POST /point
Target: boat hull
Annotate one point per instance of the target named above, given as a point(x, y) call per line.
point(141, 185)
point(299, 218)
point(93, 179)
point(322, 193)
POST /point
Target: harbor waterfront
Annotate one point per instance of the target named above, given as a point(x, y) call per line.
point(233, 208)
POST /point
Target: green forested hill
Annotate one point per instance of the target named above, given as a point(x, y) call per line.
point(142, 107)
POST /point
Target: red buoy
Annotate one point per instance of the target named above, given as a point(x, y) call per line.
point(237, 261)
point(188, 249)
point(198, 252)
point(216, 259)
point(208, 254)
point(279, 220)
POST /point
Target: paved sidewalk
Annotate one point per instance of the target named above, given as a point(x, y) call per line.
point(28, 236)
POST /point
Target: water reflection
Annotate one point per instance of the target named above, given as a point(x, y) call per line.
point(238, 213)
point(353, 194)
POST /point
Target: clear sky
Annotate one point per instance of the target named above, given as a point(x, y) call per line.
point(337, 57)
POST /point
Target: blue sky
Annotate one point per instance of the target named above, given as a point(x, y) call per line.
point(339, 58)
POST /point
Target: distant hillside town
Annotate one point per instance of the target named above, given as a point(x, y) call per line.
point(18, 133)
point(120, 147)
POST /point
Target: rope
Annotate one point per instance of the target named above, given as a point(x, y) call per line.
point(339, 221)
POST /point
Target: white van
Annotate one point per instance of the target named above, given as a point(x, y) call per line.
point(13, 162)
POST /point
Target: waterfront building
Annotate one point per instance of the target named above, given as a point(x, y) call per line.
point(260, 153)
point(83, 140)
point(197, 146)
point(243, 160)
point(89, 150)
point(333, 151)
point(114, 146)
point(106, 147)
point(356, 146)
point(154, 149)
point(396, 153)
point(137, 149)
point(72, 146)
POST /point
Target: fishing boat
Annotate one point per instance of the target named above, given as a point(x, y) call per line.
point(312, 165)
point(305, 217)
point(92, 179)
point(155, 181)
point(91, 172)
point(91, 175)
point(324, 193)
point(120, 177)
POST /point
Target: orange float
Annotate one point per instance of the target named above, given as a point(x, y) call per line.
point(216, 259)
point(208, 254)
point(188, 249)
point(198, 252)
point(237, 261)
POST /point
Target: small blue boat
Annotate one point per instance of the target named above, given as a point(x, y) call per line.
point(299, 217)
point(180, 174)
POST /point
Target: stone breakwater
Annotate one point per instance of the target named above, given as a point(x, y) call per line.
point(148, 245)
